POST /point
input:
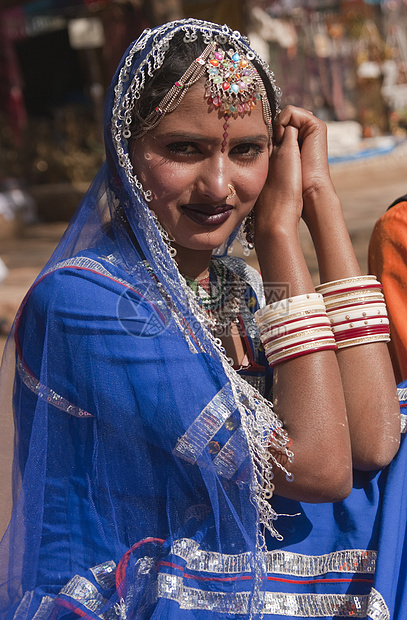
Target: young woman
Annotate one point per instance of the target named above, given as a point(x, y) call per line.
point(153, 476)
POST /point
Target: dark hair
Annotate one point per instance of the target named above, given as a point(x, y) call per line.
point(177, 60)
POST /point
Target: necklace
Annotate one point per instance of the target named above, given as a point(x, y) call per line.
point(219, 295)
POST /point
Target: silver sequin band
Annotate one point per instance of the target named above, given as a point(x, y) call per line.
point(105, 574)
point(81, 591)
point(278, 562)
point(284, 604)
point(402, 394)
point(48, 394)
point(191, 445)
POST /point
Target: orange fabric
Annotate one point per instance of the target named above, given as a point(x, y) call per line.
point(388, 261)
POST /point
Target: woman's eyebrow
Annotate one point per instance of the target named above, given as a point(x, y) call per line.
point(249, 139)
point(192, 137)
point(185, 136)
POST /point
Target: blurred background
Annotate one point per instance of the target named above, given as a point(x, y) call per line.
point(345, 60)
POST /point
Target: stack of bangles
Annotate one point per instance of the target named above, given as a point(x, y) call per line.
point(356, 310)
point(293, 327)
point(340, 314)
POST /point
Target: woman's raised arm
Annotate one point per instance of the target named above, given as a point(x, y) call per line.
point(340, 409)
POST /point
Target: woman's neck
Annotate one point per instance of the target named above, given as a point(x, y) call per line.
point(193, 264)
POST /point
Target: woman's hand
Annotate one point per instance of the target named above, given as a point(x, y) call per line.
point(280, 202)
point(312, 143)
point(298, 171)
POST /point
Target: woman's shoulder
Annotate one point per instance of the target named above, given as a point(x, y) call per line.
point(87, 282)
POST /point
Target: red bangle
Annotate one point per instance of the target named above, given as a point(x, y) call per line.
point(289, 346)
point(352, 288)
point(358, 333)
point(285, 358)
point(294, 320)
point(357, 303)
point(294, 331)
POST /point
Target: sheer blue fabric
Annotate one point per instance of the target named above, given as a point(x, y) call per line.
point(138, 450)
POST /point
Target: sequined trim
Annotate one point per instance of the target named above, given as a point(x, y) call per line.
point(277, 562)
point(284, 604)
point(402, 394)
point(43, 611)
point(191, 445)
point(322, 605)
point(105, 574)
point(346, 561)
point(24, 605)
point(84, 262)
point(232, 455)
point(82, 591)
point(172, 587)
point(48, 394)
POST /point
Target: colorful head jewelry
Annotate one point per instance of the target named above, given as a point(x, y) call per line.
point(233, 86)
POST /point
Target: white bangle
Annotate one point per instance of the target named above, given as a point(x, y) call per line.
point(337, 329)
point(303, 322)
point(358, 313)
point(357, 282)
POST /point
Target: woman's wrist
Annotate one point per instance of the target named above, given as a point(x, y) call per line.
point(333, 246)
point(282, 261)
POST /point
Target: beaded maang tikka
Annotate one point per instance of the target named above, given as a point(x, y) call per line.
point(233, 87)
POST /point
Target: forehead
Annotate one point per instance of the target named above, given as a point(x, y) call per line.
point(196, 115)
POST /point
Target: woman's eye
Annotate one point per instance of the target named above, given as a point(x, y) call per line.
point(182, 148)
point(247, 149)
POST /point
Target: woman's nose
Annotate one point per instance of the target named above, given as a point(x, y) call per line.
point(214, 180)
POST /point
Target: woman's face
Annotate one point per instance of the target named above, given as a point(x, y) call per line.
point(182, 163)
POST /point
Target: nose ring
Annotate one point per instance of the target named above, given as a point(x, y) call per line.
point(232, 191)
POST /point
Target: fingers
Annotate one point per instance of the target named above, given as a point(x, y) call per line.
point(288, 137)
point(291, 116)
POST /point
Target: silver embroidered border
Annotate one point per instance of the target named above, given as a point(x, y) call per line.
point(231, 455)
point(172, 587)
point(44, 609)
point(29, 380)
point(285, 604)
point(105, 574)
point(277, 562)
point(48, 394)
point(24, 605)
point(85, 593)
point(191, 445)
point(402, 394)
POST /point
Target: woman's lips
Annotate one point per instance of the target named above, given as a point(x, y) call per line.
point(207, 215)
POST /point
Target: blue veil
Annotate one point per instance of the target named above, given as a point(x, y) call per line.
point(118, 392)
